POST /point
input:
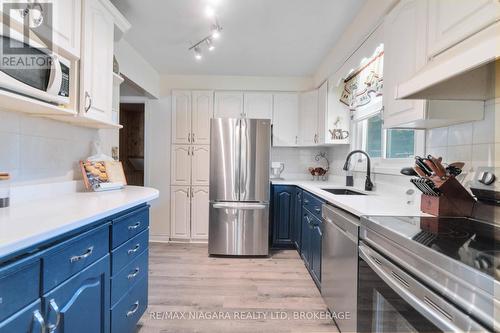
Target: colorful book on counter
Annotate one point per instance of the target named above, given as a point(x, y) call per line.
point(103, 175)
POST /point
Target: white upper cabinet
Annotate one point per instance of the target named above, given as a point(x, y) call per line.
point(286, 120)
point(258, 105)
point(181, 116)
point(200, 160)
point(191, 114)
point(308, 119)
point(202, 112)
point(322, 112)
point(67, 21)
point(228, 104)
point(451, 21)
point(96, 86)
point(404, 54)
point(199, 212)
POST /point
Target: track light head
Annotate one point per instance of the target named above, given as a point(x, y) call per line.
point(210, 44)
point(216, 29)
point(197, 53)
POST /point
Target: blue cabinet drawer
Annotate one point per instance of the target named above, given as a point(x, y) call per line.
point(129, 225)
point(127, 312)
point(123, 255)
point(312, 204)
point(128, 276)
point(28, 319)
point(73, 255)
point(19, 285)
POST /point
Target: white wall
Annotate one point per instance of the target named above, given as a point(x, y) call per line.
point(365, 22)
point(169, 82)
point(41, 150)
point(137, 69)
point(157, 163)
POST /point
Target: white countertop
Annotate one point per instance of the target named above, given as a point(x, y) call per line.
point(373, 203)
point(32, 222)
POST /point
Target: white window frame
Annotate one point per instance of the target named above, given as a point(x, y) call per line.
point(382, 164)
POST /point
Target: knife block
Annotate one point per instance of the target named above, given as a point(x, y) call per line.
point(454, 201)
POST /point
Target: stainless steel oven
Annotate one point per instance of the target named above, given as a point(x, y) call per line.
point(392, 300)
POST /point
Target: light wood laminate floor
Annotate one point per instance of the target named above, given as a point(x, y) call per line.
point(240, 294)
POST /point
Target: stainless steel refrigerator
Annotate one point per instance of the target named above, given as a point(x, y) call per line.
point(239, 186)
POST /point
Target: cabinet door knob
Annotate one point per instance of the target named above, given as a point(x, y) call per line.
point(53, 306)
point(87, 96)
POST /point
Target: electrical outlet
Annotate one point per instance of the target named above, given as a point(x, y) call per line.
point(115, 153)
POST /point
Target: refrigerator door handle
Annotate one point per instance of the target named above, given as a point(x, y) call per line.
point(240, 206)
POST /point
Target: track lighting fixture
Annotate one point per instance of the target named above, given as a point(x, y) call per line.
point(208, 41)
point(216, 29)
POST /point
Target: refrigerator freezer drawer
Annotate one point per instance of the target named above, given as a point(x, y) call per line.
point(238, 229)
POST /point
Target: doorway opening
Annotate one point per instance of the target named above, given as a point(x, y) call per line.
point(132, 142)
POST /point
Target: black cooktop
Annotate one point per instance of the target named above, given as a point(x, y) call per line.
point(472, 242)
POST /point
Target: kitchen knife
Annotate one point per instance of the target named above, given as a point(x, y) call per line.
point(419, 171)
point(409, 172)
point(459, 165)
point(436, 166)
point(419, 161)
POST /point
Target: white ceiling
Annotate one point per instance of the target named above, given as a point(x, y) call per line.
point(259, 37)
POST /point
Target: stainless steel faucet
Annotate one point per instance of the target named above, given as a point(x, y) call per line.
point(350, 179)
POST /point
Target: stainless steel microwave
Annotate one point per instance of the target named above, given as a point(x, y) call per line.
point(29, 69)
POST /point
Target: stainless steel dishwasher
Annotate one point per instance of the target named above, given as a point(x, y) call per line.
point(339, 260)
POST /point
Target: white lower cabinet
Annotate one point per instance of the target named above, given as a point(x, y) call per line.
point(189, 212)
point(180, 211)
point(199, 212)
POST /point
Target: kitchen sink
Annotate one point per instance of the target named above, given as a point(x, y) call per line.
point(342, 191)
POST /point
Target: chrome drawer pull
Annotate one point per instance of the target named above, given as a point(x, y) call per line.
point(53, 306)
point(134, 250)
point(135, 226)
point(39, 319)
point(318, 210)
point(82, 256)
point(134, 274)
point(135, 307)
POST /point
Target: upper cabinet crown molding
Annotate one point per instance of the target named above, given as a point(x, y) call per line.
point(122, 25)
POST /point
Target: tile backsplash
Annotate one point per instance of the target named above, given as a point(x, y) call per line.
point(35, 149)
point(473, 143)
point(298, 160)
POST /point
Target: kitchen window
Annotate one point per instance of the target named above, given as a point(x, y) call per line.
point(385, 143)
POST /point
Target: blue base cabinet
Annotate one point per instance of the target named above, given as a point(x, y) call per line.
point(283, 212)
point(296, 221)
point(94, 279)
point(80, 304)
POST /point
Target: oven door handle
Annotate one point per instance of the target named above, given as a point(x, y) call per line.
point(427, 303)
